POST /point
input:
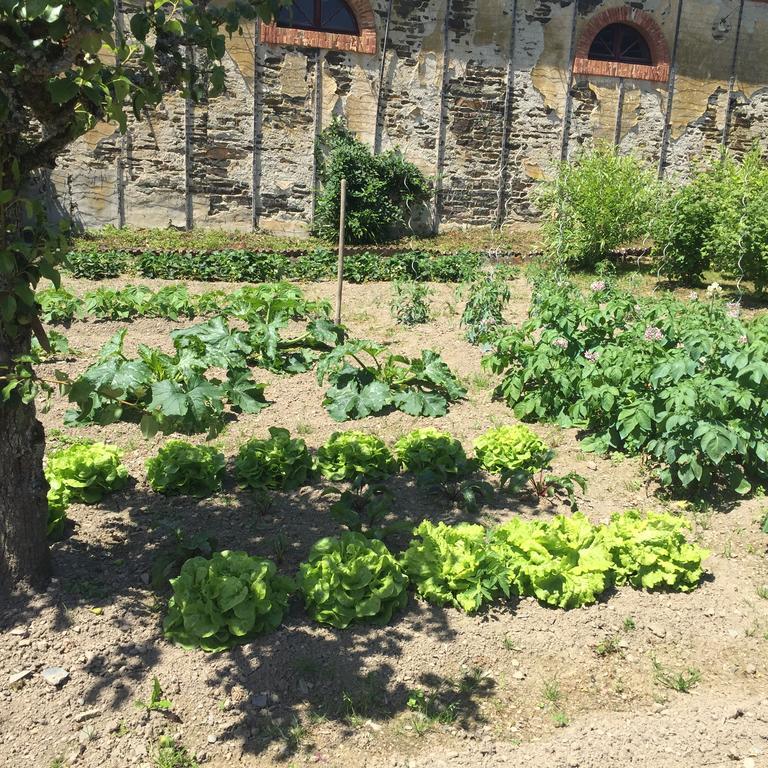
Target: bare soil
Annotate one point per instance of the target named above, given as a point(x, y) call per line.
point(519, 685)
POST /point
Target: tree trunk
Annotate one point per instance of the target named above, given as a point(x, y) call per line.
point(24, 557)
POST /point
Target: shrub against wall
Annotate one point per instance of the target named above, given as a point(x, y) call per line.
point(718, 221)
point(597, 203)
point(382, 190)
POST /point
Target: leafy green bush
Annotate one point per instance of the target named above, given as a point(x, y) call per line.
point(315, 267)
point(683, 382)
point(382, 190)
point(234, 265)
point(352, 578)
point(96, 264)
point(460, 266)
point(57, 306)
point(651, 552)
point(378, 381)
point(225, 600)
point(183, 468)
point(719, 221)
point(484, 310)
point(433, 456)
point(409, 304)
point(509, 450)
point(563, 562)
point(122, 304)
point(597, 203)
point(84, 473)
point(170, 393)
point(277, 463)
point(352, 455)
point(453, 564)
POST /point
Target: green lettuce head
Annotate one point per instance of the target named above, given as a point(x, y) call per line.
point(277, 463)
point(433, 456)
point(563, 562)
point(651, 551)
point(352, 455)
point(183, 468)
point(453, 564)
point(512, 450)
point(225, 600)
point(352, 578)
point(81, 473)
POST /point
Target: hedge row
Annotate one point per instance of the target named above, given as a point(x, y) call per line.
point(269, 266)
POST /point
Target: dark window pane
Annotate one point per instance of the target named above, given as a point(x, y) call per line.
point(321, 15)
point(336, 16)
point(622, 43)
point(300, 14)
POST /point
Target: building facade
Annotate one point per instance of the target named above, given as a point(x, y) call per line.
point(485, 96)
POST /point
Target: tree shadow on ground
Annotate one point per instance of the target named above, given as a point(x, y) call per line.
point(308, 673)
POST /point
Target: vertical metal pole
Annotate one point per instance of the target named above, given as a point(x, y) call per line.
point(317, 127)
point(568, 97)
point(670, 95)
point(189, 124)
point(442, 118)
point(505, 129)
point(379, 127)
point(732, 80)
point(257, 137)
point(619, 115)
point(122, 146)
point(340, 267)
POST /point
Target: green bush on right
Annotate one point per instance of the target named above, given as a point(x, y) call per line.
point(597, 203)
point(719, 221)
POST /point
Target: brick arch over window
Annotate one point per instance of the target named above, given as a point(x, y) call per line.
point(641, 21)
point(363, 42)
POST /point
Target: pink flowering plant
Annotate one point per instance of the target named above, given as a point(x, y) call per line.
point(685, 384)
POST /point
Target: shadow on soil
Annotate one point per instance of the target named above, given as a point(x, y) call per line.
point(285, 683)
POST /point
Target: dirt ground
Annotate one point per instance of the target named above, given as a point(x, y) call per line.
point(519, 685)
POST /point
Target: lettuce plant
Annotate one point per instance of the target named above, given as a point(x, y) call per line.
point(563, 562)
point(433, 456)
point(84, 472)
point(352, 578)
point(277, 463)
point(225, 600)
point(651, 551)
point(453, 564)
point(183, 468)
point(354, 455)
point(511, 450)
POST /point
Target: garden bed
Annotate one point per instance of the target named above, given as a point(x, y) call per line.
point(517, 684)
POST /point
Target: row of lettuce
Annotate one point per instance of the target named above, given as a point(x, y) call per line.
point(248, 266)
point(85, 472)
point(565, 562)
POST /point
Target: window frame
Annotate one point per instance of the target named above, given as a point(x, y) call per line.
point(646, 26)
point(316, 24)
point(364, 42)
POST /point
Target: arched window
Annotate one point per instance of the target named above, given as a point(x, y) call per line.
point(336, 25)
point(321, 15)
point(622, 43)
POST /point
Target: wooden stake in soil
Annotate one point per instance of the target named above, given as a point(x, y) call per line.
point(340, 269)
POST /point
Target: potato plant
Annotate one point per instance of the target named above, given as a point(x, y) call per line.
point(683, 382)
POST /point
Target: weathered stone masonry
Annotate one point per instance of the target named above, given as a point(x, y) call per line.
point(485, 96)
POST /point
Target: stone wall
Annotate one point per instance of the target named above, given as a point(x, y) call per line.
point(483, 95)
